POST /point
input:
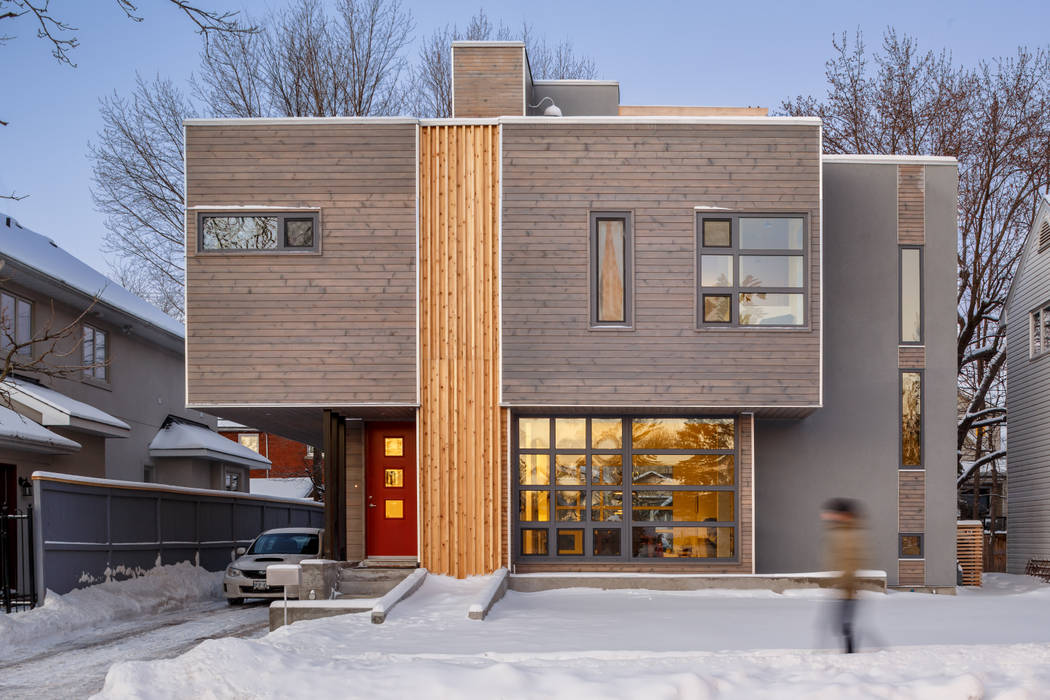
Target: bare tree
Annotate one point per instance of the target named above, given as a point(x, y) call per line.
point(995, 119)
point(138, 185)
point(433, 72)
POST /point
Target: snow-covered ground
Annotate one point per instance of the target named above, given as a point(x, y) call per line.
point(577, 643)
point(64, 647)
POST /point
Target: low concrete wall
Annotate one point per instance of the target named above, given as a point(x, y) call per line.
point(778, 583)
point(93, 530)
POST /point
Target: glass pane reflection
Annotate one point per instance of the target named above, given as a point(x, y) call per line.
point(771, 233)
point(911, 419)
point(607, 506)
point(606, 542)
point(683, 433)
point(607, 469)
point(682, 470)
point(570, 542)
point(763, 309)
point(569, 470)
point(534, 470)
point(682, 542)
point(534, 506)
point(534, 542)
point(690, 506)
point(534, 433)
point(716, 270)
point(570, 433)
point(569, 506)
point(606, 433)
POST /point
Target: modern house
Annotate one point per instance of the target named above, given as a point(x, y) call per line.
point(118, 411)
point(558, 333)
point(1028, 398)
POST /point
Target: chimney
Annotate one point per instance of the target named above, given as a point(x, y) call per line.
point(489, 79)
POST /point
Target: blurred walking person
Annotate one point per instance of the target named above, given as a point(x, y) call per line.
point(845, 556)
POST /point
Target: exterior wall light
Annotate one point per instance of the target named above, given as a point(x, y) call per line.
point(551, 111)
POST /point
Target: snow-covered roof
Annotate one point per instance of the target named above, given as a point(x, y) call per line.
point(19, 433)
point(57, 409)
point(225, 424)
point(188, 440)
point(44, 255)
point(285, 487)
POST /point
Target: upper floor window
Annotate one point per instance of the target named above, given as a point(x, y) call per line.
point(16, 323)
point(911, 295)
point(752, 270)
point(249, 440)
point(1039, 331)
point(611, 269)
point(95, 354)
point(288, 231)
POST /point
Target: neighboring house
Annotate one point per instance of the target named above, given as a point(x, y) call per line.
point(288, 458)
point(625, 338)
point(122, 414)
point(1028, 398)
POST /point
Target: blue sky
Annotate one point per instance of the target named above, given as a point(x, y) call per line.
point(711, 53)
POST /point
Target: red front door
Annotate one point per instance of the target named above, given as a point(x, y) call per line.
point(390, 489)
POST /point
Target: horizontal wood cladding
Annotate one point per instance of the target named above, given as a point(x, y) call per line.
point(911, 572)
point(555, 175)
point(462, 453)
point(488, 81)
point(911, 357)
point(333, 328)
point(911, 204)
point(911, 492)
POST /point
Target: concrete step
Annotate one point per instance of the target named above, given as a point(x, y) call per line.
point(369, 583)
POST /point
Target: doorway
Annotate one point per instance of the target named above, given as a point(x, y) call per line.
point(390, 490)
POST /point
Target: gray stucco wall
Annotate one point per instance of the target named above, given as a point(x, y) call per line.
point(850, 446)
point(1028, 405)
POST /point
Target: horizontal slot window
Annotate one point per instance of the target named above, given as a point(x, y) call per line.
point(259, 232)
point(664, 542)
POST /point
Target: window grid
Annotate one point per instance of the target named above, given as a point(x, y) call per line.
point(95, 354)
point(16, 316)
point(713, 299)
point(547, 531)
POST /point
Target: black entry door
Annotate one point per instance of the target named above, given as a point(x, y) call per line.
point(8, 504)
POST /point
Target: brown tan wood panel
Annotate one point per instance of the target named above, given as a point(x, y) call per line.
point(911, 204)
point(911, 572)
point(489, 81)
point(335, 328)
point(911, 357)
point(555, 175)
point(911, 492)
point(969, 550)
point(460, 423)
point(747, 491)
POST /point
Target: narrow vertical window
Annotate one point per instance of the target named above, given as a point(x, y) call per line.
point(16, 323)
point(95, 354)
point(911, 295)
point(1039, 331)
point(611, 269)
point(911, 419)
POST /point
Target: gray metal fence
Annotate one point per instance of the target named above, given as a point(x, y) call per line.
point(92, 530)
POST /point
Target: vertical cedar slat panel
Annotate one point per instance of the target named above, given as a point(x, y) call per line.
point(459, 416)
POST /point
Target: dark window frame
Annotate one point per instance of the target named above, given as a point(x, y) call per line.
point(282, 216)
point(15, 300)
point(922, 295)
point(900, 545)
point(736, 252)
point(628, 269)
point(626, 488)
point(922, 419)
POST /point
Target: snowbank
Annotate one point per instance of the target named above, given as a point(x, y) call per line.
point(285, 487)
point(579, 643)
point(159, 589)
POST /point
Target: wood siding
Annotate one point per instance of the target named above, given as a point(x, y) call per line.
point(488, 81)
point(911, 357)
point(912, 505)
point(911, 205)
point(555, 175)
point(329, 329)
point(355, 490)
point(1028, 403)
point(460, 433)
point(911, 572)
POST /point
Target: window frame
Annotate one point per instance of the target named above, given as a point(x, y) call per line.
point(922, 419)
point(282, 216)
point(627, 488)
point(594, 285)
point(88, 373)
point(736, 252)
point(1036, 321)
point(900, 546)
point(922, 295)
point(15, 300)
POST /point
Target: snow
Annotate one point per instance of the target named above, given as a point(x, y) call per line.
point(286, 487)
point(159, 589)
point(43, 254)
point(482, 600)
point(17, 428)
point(392, 597)
point(184, 439)
point(583, 643)
point(56, 407)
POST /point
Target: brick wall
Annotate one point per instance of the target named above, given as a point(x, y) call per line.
point(289, 457)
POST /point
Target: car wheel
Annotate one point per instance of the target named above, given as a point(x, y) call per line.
point(235, 601)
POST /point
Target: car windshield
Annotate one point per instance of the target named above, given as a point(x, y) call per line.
point(285, 543)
